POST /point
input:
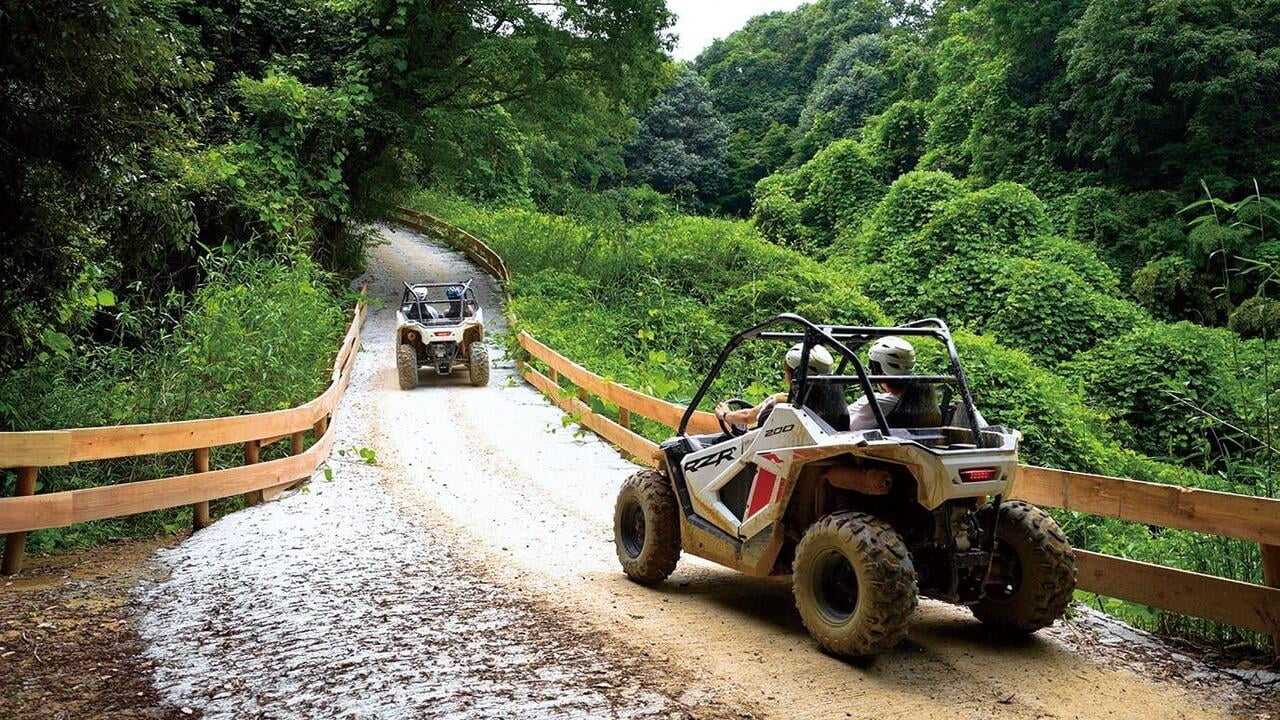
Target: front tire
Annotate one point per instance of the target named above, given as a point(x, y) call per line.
point(1037, 571)
point(478, 363)
point(407, 366)
point(646, 528)
point(854, 584)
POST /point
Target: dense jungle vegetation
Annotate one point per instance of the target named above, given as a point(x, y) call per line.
point(1080, 187)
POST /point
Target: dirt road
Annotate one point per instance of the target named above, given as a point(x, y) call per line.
point(471, 573)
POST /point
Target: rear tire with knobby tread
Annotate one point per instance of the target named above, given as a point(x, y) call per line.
point(885, 581)
point(478, 363)
point(1047, 571)
point(652, 556)
point(407, 366)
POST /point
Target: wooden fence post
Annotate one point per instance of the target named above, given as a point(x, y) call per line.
point(251, 451)
point(1271, 577)
point(624, 417)
point(321, 427)
point(200, 511)
point(295, 443)
point(15, 544)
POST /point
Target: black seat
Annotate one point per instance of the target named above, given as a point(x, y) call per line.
point(917, 408)
point(827, 401)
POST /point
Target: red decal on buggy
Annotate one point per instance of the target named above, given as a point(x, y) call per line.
point(761, 491)
point(772, 457)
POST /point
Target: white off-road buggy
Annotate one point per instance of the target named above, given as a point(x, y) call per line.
point(864, 521)
point(440, 329)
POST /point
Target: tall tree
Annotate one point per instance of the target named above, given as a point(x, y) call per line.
point(850, 88)
point(1166, 93)
point(761, 75)
point(683, 144)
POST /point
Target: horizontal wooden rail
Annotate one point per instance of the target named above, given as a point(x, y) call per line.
point(45, 448)
point(1204, 596)
point(1253, 519)
point(34, 512)
point(1256, 519)
point(637, 446)
point(32, 450)
point(637, 403)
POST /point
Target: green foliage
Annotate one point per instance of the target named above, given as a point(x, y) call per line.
point(477, 153)
point(1191, 106)
point(1257, 317)
point(981, 260)
point(850, 87)
point(807, 208)
point(895, 137)
point(1051, 312)
point(777, 214)
point(1171, 289)
point(1081, 258)
point(843, 186)
point(682, 145)
point(910, 203)
point(1139, 377)
point(761, 75)
point(1002, 219)
point(84, 99)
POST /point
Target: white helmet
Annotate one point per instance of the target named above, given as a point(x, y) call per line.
point(820, 361)
point(894, 355)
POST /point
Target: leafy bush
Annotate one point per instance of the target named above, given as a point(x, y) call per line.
point(1126, 229)
point(777, 214)
point(1171, 289)
point(1049, 311)
point(843, 185)
point(999, 220)
point(1150, 381)
point(910, 203)
point(1257, 317)
point(808, 207)
point(895, 138)
point(1080, 258)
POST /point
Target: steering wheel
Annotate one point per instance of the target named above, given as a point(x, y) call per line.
point(734, 430)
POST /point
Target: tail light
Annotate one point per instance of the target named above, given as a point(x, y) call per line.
point(973, 475)
point(445, 333)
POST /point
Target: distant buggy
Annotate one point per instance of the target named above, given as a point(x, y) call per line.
point(440, 329)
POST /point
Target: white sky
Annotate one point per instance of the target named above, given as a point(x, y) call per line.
point(701, 21)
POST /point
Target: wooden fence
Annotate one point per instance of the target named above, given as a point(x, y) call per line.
point(257, 481)
point(1243, 517)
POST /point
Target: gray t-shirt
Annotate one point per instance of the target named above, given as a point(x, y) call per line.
point(861, 417)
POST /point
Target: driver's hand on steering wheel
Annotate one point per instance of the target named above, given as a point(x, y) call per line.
point(722, 410)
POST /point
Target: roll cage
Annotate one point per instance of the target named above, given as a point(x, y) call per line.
point(844, 340)
point(423, 309)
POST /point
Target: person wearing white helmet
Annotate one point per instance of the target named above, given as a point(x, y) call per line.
point(820, 362)
point(890, 355)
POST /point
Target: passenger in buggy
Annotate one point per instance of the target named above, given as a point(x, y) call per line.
point(455, 294)
point(905, 405)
